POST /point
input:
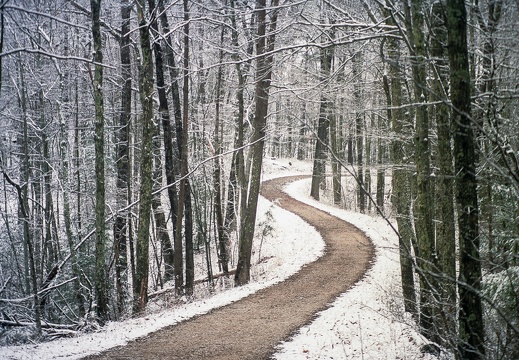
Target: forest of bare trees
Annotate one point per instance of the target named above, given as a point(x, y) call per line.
point(132, 135)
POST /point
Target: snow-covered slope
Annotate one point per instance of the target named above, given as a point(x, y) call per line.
point(364, 323)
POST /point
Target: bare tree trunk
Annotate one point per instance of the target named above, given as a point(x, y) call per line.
point(64, 150)
point(24, 211)
point(237, 184)
point(400, 196)
point(336, 168)
point(445, 230)
point(301, 144)
point(359, 130)
point(222, 241)
point(173, 154)
point(184, 190)
point(424, 203)
point(101, 283)
point(381, 171)
point(167, 247)
point(321, 143)
point(471, 332)
point(264, 45)
point(161, 229)
point(140, 283)
point(121, 219)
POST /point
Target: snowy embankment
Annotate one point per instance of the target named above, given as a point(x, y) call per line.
point(362, 323)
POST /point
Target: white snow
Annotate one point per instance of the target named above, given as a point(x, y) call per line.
point(364, 323)
point(367, 321)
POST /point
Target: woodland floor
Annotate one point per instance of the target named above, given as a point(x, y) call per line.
point(252, 327)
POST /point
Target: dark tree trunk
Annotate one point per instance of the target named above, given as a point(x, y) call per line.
point(471, 332)
point(263, 78)
point(359, 130)
point(218, 211)
point(140, 283)
point(166, 244)
point(400, 196)
point(424, 202)
point(100, 252)
point(444, 204)
point(123, 164)
point(321, 142)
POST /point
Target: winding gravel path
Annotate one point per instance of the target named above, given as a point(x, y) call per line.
point(252, 327)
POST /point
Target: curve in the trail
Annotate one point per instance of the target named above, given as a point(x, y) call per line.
point(251, 327)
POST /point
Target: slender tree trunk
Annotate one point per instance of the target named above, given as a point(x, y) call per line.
point(264, 45)
point(336, 168)
point(381, 171)
point(121, 219)
point(424, 202)
point(222, 241)
point(184, 191)
point(24, 210)
point(359, 129)
point(167, 247)
point(367, 178)
point(237, 184)
point(400, 196)
point(161, 229)
point(140, 283)
point(321, 143)
point(64, 150)
point(301, 144)
point(101, 285)
point(486, 113)
point(471, 332)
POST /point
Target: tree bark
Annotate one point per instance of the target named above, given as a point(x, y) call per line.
point(400, 196)
point(359, 130)
point(140, 283)
point(263, 78)
point(444, 205)
point(101, 285)
point(223, 252)
point(167, 247)
point(381, 171)
point(471, 343)
point(424, 202)
point(123, 164)
point(184, 189)
point(321, 142)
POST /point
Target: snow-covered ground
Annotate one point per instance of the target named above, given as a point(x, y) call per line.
point(364, 323)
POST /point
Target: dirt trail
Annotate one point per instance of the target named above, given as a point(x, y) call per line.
point(251, 328)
